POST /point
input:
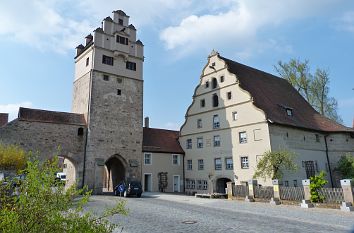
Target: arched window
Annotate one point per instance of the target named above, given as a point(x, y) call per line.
point(215, 100)
point(214, 83)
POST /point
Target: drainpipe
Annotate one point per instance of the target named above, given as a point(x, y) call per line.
point(184, 180)
point(329, 165)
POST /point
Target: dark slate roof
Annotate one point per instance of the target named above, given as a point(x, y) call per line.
point(161, 141)
point(273, 95)
point(38, 115)
point(108, 18)
point(120, 12)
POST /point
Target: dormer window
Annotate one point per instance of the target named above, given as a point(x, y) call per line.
point(289, 111)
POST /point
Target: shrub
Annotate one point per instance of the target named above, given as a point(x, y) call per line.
point(346, 166)
point(317, 182)
point(12, 157)
point(43, 207)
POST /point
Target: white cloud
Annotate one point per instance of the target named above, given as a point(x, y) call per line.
point(240, 25)
point(12, 109)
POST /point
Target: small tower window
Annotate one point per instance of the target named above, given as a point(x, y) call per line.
point(80, 131)
point(289, 112)
point(215, 100)
point(119, 92)
point(229, 95)
point(122, 40)
point(87, 61)
point(206, 84)
point(214, 83)
point(202, 103)
point(107, 60)
point(120, 21)
point(105, 77)
point(130, 65)
point(221, 79)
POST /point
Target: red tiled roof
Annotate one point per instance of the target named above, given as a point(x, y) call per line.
point(273, 95)
point(161, 140)
point(28, 114)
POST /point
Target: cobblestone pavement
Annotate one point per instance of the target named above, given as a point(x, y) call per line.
point(156, 212)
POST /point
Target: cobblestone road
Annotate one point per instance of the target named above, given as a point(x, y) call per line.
point(170, 213)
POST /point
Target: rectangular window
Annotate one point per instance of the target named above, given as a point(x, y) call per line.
point(309, 168)
point(199, 142)
point(243, 137)
point(189, 143)
point(234, 116)
point(130, 65)
point(199, 185)
point(189, 164)
point(87, 61)
point(221, 79)
point(200, 164)
point(147, 158)
point(317, 138)
point(202, 103)
point(244, 162)
point(218, 164)
point(199, 123)
point(192, 184)
point(216, 141)
point(206, 84)
point(175, 160)
point(120, 21)
point(295, 183)
point(229, 164)
point(229, 95)
point(216, 122)
point(122, 40)
point(286, 183)
point(289, 111)
point(107, 60)
point(105, 77)
point(119, 92)
point(205, 184)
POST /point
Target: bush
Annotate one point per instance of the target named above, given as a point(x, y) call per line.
point(12, 157)
point(43, 207)
point(346, 166)
point(317, 182)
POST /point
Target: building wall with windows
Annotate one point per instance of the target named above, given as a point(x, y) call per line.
point(162, 169)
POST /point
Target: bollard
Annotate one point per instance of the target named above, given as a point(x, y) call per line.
point(347, 204)
point(275, 200)
point(251, 186)
point(230, 189)
point(307, 202)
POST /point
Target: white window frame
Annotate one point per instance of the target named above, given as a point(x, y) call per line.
point(218, 165)
point(216, 143)
point(189, 165)
point(189, 143)
point(176, 162)
point(145, 154)
point(200, 142)
point(242, 139)
point(245, 164)
point(192, 183)
point(234, 116)
point(229, 166)
point(216, 122)
point(205, 184)
point(200, 164)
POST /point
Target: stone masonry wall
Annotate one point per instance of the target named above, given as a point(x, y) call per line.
point(46, 138)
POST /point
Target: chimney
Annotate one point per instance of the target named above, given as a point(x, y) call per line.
point(147, 122)
point(88, 39)
point(79, 49)
point(4, 118)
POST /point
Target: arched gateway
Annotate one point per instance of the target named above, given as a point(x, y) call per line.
point(221, 184)
point(114, 173)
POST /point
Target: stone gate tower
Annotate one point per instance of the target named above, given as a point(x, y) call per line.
point(108, 90)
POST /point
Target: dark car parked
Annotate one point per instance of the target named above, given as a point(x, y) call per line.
point(129, 188)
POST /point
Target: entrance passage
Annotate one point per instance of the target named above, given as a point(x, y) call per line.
point(147, 182)
point(114, 173)
point(221, 185)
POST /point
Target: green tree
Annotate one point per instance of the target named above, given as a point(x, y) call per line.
point(313, 87)
point(316, 183)
point(346, 166)
point(45, 206)
point(12, 157)
point(273, 163)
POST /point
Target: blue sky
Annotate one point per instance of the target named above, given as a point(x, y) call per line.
point(38, 40)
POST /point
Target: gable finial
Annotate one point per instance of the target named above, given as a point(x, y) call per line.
point(213, 53)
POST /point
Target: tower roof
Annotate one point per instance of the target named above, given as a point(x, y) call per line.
point(274, 95)
point(120, 12)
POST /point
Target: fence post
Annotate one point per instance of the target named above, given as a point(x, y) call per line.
point(251, 186)
point(230, 190)
point(275, 200)
point(307, 202)
point(347, 204)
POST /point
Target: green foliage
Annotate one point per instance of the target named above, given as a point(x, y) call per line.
point(313, 87)
point(317, 182)
point(12, 157)
point(44, 206)
point(346, 166)
point(273, 163)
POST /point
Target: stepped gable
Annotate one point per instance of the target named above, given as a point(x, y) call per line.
point(161, 141)
point(38, 115)
point(274, 95)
